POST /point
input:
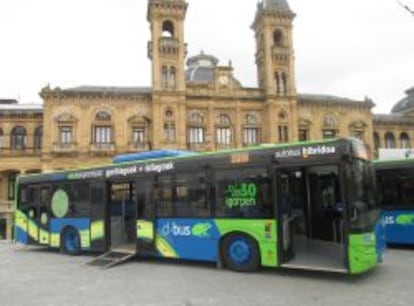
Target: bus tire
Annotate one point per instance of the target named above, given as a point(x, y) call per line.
point(240, 252)
point(70, 241)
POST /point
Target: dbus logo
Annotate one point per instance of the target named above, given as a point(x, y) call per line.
point(175, 230)
point(200, 230)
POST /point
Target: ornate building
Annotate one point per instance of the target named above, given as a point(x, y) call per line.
point(194, 103)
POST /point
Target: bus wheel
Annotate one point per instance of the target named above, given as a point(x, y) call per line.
point(70, 241)
point(240, 253)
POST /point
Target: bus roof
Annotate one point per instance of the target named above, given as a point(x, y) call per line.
point(284, 152)
point(393, 163)
point(156, 154)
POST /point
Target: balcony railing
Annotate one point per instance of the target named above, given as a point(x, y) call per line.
point(21, 151)
point(6, 206)
point(281, 56)
point(197, 146)
point(102, 148)
point(225, 146)
point(167, 45)
point(63, 148)
point(139, 146)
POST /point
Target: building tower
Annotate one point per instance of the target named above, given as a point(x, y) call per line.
point(275, 64)
point(274, 44)
point(167, 49)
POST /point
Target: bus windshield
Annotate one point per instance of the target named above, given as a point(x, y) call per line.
point(364, 212)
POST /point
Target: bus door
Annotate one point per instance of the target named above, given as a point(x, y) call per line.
point(34, 203)
point(290, 209)
point(21, 215)
point(122, 213)
point(99, 225)
point(311, 213)
point(31, 213)
point(145, 225)
point(42, 218)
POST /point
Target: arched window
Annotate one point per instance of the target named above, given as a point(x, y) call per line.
point(102, 130)
point(251, 130)
point(164, 76)
point(38, 135)
point(223, 131)
point(167, 29)
point(329, 127)
point(377, 141)
point(169, 126)
point(405, 141)
point(278, 37)
point(196, 128)
point(18, 138)
point(389, 140)
point(173, 76)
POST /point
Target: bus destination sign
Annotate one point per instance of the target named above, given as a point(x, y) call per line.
point(305, 152)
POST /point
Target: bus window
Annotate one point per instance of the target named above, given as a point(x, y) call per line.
point(78, 195)
point(396, 188)
point(145, 208)
point(23, 197)
point(31, 203)
point(362, 199)
point(123, 199)
point(243, 193)
point(183, 195)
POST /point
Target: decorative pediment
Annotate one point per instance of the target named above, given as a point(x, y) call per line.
point(359, 124)
point(138, 119)
point(329, 122)
point(196, 116)
point(304, 122)
point(252, 118)
point(65, 117)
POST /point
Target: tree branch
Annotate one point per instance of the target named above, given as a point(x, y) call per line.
point(406, 7)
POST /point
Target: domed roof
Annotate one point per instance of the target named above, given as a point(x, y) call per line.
point(201, 68)
point(406, 103)
point(281, 5)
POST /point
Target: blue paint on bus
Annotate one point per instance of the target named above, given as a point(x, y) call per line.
point(21, 235)
point(195, 239)
point(399, 226)
point(123, 158)
point(56, 225)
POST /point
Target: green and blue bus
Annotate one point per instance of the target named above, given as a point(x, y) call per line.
point(395, 181)
point(307, 205)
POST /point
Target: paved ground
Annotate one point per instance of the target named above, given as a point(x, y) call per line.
point(41, 277)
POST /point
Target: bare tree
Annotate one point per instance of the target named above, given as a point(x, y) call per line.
point(406, 7)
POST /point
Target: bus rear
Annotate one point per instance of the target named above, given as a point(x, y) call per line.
point(395, 180)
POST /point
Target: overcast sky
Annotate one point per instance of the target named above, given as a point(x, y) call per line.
point(352, 48)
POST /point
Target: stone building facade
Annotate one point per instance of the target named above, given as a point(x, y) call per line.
point(194, 103)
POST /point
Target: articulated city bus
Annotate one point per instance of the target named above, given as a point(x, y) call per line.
point(306, 205)
point(395, 181)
